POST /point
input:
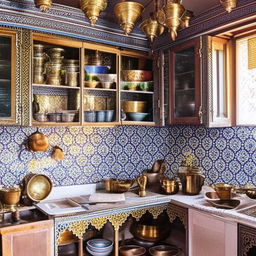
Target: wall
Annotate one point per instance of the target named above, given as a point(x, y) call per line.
point(225, 155)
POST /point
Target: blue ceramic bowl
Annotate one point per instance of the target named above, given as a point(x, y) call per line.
point(136, 116)
point(90, 69)
point(100, 245)
point(101, 253)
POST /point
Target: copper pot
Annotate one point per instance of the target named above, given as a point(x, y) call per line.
point(37, 141)
point(223, 190)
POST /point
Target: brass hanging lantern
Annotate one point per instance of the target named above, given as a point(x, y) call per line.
point(93, 8)
point(174, 16)
point(229, 5)
point(127, 14)
point(43, 5)
point(152, 29)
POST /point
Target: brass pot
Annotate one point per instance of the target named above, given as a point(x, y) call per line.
point(191, 182)
point(170, 186)
point(117, 186)
point(134, 106)
point(151, 233)
point(38, 50)
point(56, 53)
point(132, 250)
point(10, 196)
point(223, 190)
point(67, 237)
point(137, 75)
point(37, 141)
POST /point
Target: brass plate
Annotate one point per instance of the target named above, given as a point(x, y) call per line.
point(39, 187)
point(225, 204)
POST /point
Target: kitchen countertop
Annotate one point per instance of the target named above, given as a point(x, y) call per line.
point(133, 201)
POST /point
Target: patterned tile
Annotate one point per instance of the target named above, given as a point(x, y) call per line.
point(91, 154)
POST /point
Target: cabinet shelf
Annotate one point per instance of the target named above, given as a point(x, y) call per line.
point(143, 92)
point(56, 86)
point(99, 89)
point(185, 73)
point(56, 123)
point(138, 123)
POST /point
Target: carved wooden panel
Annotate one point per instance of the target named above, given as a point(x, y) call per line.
point(246, 240)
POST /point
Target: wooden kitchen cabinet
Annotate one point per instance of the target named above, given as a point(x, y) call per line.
point(211, 235)
point(185, 83)
point(32, 239)
point(9, 77)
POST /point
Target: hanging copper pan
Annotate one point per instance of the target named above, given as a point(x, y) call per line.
point(37, 141)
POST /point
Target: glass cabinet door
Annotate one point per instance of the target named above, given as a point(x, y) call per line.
point(185, 95)
point(7, 78)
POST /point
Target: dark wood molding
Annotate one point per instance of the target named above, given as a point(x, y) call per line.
point(68, 21)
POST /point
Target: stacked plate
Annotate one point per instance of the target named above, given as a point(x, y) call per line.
point(99, 247)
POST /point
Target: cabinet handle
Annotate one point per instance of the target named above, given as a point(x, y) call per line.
point(200, 114)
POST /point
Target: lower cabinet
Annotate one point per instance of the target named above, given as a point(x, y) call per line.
point(32, 239)
point(246, 240)
point(211, 235)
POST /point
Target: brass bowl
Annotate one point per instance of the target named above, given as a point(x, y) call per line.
point(11, 196)
point(38, 187)
point(117, 186)
point(164, 250)
point(67, 237)
point(93, 84)
point(151, 233)
point(132, 250)
point(223, 190)
point(170, 186)
point(251, 193)
point(134, 106)
point(153, 177)
point(137, 75)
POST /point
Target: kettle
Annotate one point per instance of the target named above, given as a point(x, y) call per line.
point(191, 181)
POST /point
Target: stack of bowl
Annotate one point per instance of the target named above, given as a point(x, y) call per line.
point(99, 247)
point(135, 110)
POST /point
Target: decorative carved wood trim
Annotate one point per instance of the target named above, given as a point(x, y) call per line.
point(174, 211)
point(246, 239)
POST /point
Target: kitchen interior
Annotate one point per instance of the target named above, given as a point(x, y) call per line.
point(127, 127)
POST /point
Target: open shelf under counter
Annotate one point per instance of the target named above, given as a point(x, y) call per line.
point(141, 92)
point(56, 86)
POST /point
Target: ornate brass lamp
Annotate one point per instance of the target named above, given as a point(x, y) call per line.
point(43, 5)
point(93, 8)
point(152, 29)
point(127, 14)
point(229, 5)
point(174, 16)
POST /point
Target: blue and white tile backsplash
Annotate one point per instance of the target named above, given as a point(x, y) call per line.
point(91, 154)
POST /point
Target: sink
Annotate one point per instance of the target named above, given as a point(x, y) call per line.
point(60, 206)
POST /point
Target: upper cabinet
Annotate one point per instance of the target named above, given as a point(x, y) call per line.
point(78, 83)
point(9, 83)
point(137, 89)
point(218, 72)
point(185, 83)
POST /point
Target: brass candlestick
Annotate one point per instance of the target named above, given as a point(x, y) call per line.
point(142, 182)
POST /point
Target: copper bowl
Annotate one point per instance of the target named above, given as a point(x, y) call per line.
point(170, 186)
point(223, 190)
point(134, 106)
point(117, 186)
point(151, 233)
point(38, 187)
point(153, 178)
point(137, 75)
point(164, 250)
point(132, 250)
